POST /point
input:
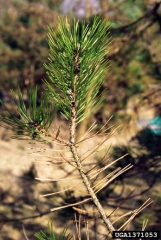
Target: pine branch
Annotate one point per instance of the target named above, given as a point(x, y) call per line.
point(76, 69)
point(73, 148)
point(28, 122)
point(77, 65)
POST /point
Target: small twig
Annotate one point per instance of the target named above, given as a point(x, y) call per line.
point(25, 218)
point(43, 213)
point(126, 28)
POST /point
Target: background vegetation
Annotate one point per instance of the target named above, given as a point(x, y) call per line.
point(133, 83)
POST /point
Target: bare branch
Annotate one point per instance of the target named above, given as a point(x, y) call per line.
point(127, 28)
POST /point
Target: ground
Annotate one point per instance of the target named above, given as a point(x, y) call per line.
point(21, 194)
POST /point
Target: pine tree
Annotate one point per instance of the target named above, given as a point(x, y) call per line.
point(75, 69)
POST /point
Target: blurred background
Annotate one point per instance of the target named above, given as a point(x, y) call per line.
point(133, 99)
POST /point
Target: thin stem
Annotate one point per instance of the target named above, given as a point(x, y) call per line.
point(89, 188)
point(78, 161)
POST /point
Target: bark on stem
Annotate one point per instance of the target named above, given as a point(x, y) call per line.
point(83, 174)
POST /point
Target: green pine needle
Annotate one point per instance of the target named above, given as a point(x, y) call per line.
point(86, 44)
point(51, 235)
point(76, 70)
point(26, 120)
